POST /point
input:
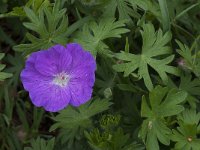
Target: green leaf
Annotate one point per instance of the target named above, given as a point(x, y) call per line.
point(186, 134)
point(3, 75)
point(165, 15)
point(169, 107)
point(19, 11)
point(48, 32)
point(93, 34)
point(154, 46)
point(75, 120)
point(9, 105)
point(134, 146)
point(105, 78)
point(6, 38)
point(190, 117)
point(41, 144)
point(16, 65)
point(185, 11)
point(184, 51)
point(22, 117)
point(107, 140)
point(189, 85)
point(148, 6)
point(189, 61)
point(163, 103)
point(2, 55)
point(123, 7)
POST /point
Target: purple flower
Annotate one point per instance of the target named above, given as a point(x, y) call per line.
point(59, 76)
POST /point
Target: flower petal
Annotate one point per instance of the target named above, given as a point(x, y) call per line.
point(31, 77)
point(46, 64)
point(39, 93)
point(65, 60)
point(80, 56)
point(80, 93)
point(84, 74)
point(57, 100)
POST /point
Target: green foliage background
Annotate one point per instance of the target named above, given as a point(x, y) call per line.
point(147, 87)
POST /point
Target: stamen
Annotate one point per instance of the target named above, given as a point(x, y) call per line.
point(61, 79)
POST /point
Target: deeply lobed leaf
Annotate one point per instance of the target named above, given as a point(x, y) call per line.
point(154, 47)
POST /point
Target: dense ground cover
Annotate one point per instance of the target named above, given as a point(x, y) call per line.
point(144, 55)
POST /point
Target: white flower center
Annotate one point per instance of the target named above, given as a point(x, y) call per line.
point(61, 79)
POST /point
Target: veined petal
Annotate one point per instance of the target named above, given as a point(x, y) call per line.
point(45, 64)
point(64, 60)
point(80, 56)
point(57, 100)
point(80, 93)
point(83, 73)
